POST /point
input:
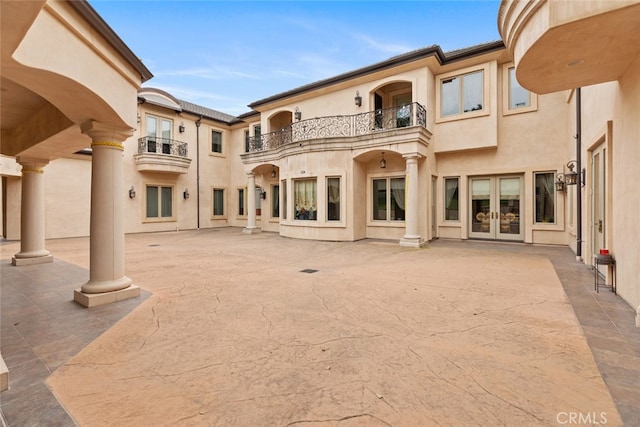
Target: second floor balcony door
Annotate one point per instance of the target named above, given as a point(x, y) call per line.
point(159, 134)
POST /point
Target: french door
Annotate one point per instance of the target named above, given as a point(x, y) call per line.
point(495, 208)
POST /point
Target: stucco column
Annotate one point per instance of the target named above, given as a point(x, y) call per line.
point(251, 206)
point(411, 237)
point(107, 281)
point(32, 249)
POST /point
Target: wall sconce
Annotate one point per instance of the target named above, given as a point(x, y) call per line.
point(273, 172)
point(185, 194)
point(132, 193)
point(571, 177)
point(181, 128)
point(383, 162)
point(263, 195)
point(358, 99)
point(560, 182)
point(297, 115)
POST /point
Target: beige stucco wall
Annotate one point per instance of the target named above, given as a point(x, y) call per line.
point(67, 197)
point(626, 175)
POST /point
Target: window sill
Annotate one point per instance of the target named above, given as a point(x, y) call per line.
point(157, 220)
point(463, 116)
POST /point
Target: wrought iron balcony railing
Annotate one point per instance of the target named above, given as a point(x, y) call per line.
point(151, 144)
point(370, 122)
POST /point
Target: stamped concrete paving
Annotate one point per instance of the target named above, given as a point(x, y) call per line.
point(236, 334)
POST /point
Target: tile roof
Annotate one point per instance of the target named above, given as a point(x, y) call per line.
point(199, 110)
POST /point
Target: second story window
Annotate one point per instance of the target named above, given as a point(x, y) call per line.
point(519, 97)
point(462, 94)
point(216, 141)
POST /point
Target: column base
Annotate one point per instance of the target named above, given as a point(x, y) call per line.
point(412, 242)
point(252, 230)
point(31, 260)
point(94, 300)
point(4, 375)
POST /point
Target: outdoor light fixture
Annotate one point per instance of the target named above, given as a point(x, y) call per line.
point(181, 128)
point(560, 182)
point(273, 172)
point(263, 194)
point(358, 99)
point(298, 115)
point(571, 177)
point(132, 193)
point(383, 162)
point(185, 194)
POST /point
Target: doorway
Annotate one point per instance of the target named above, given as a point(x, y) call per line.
point(598, 200)
point(495, 208)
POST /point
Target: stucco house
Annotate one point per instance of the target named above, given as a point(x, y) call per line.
point(477, 143)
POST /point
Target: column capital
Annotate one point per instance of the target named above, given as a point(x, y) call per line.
point(412, 156)
point(30, 164)
point(105, 133)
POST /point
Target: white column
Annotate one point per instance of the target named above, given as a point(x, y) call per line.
point(107, 281)
point(251, 206)
point(32, 249)
point(412, 236)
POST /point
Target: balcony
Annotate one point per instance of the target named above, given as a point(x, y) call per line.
point(560, 45)
point(379, 122)
point(162, 155)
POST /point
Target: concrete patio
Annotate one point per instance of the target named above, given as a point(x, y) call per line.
point(237, 330)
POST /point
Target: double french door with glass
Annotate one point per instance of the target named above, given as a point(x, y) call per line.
point(495, 208)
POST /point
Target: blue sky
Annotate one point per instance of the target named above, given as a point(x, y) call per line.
point(226, 54)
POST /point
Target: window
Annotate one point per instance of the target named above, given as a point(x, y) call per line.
point(462, 94)
point(241, 202)
point(246, 141)
point(216, 141)
point(545, 197)
point(451, 208)
point(158, 136)
point(275, 201)
point(283, 183)
point(388, 199)
point(304, 193)
point(159, 202)
point(218, 202)
point(333, 199)
point(519, 97)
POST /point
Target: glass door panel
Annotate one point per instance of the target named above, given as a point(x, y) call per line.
point(495, 208)
point(481, 208)
point(510, 189)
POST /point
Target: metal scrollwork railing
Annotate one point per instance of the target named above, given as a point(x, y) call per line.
point(412, 114)
point(150, 144)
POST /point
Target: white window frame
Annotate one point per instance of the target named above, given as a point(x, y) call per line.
point(159, 218)
point(221, 152)
point(371, 196)
point(313, 208)
point(487, 75)
point(555, 198)
point(444, 200)
point(224, 203)
point(340, 199)
point(506, 95)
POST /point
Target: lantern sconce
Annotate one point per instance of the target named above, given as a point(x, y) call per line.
point(263, 195)
point(560, 183)
point(185, 194)
point(132, 193)
point(383, 162)
point(358, 99)
point(181, 127)
point(298, 114)
point(273, 172)
point(570, 178)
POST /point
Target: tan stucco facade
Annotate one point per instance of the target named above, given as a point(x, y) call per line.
point(184, 166)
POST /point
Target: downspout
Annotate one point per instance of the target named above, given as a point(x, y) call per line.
point(198, 171)
point(579, 167)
